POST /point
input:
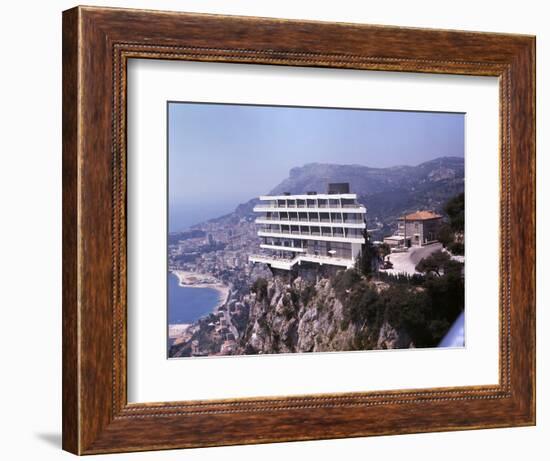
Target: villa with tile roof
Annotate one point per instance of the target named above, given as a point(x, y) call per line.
point(415, 229)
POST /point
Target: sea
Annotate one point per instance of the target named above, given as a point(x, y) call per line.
point(188, 304)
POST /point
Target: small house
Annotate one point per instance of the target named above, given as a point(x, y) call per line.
point(416, 229)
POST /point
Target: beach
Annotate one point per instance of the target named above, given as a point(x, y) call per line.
point(197, 280)
point(181, 330)
point(177, 329)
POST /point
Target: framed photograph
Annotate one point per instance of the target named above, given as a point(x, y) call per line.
point(282, 230)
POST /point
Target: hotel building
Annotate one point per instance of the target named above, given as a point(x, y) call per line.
point(315, 228)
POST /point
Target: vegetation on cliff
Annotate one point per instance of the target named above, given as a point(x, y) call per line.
point(346, 311)
point(451, 233)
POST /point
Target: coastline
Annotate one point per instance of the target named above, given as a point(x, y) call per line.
point(178, 333)
point(196, 280)
point(182, 332)
point(177, 329)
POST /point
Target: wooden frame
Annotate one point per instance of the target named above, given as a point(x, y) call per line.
point(97, 43)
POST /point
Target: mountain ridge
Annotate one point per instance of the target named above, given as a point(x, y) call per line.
point(386, 192)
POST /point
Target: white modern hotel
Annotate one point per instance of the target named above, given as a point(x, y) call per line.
point(314, 228)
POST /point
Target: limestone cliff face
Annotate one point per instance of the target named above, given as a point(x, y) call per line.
point(390, 338)
point(296, 317)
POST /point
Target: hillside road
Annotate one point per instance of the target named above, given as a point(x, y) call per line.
point(405, 263)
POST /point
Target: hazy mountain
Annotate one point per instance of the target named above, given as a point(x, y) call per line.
point(365, 181)
point(386, 192)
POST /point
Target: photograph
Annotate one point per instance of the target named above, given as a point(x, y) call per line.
point(313, 229)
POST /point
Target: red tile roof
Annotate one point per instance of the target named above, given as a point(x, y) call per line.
point(421, 216)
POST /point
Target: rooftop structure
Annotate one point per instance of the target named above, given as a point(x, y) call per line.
point(415, 229)
point(316, 228)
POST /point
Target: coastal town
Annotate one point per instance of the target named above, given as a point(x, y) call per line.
point(214, 256)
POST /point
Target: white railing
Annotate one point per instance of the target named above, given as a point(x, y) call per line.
point(323, 206)
point(359, 224)
point(287, 263)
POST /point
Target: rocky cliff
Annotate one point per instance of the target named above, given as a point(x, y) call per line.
point(286, 316)
point(296, 317)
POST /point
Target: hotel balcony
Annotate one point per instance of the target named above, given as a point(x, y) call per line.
point(268, 246)
point(288, 263)
point(321, 223)
point(351, 208)
point(311, 202)
point(318, 236)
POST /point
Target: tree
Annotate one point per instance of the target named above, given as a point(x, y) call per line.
point(434, 264)
point(344, 281)
point(447, 298)
point(409, 310)
point(451, 234)
point(455, 210)
point(456, 248)
point(367, 261)
point(384, 250)
point(445, 234)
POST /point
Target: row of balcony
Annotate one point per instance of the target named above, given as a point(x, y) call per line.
point(312, 205)
point(310, 219)
point(312, 247)
point(326, 232)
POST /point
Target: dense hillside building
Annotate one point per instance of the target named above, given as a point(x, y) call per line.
point(415, 229)
point(316, 228)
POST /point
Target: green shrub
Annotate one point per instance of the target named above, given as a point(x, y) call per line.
point(288, 312)
point(344, 281)
point(445, 234)
point(435, 263)
point(456, 248)
point(455, 210)
point(295, 297)
point(260, 288)
point(285, 301)
point(308, 293)
point(363, 308)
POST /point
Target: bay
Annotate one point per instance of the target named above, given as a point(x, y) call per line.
point(188, 304)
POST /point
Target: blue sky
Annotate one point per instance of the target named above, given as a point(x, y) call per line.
point(222, 155)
